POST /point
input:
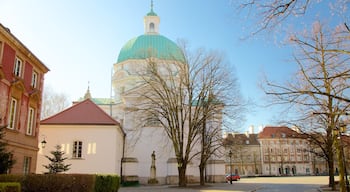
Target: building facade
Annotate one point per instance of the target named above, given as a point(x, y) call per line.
point(145, 137)
point(21, 86)
point(275, 151)
point(146, 143)
point(284, 152)
point(245, 158)
point(91, 140)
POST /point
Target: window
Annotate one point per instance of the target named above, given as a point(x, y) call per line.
point(17, 70)
point(152, 121)
point(91, 148)
point(77, 149)
point(26, 165)
point(30, 123)
point(151, 27)
point(34, 79)
point(12, 115)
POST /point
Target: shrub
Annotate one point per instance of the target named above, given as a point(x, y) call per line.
point(105, 183)
point(10, 187)
point(11, 178)
point(58, 183)
point(63, 182)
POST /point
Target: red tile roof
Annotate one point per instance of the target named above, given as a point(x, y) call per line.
point(83, 113)
point(278, 132)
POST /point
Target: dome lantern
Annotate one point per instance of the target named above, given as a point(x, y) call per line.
point(151, 22)
point(151, 44)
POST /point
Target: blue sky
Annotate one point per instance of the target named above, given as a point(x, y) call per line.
point(80, 41)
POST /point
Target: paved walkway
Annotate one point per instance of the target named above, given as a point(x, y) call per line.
point(244, 185)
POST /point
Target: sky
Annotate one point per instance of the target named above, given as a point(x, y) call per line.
point(79, 41)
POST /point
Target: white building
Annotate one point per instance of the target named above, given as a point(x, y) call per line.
point(140, 141)
point(91, 139)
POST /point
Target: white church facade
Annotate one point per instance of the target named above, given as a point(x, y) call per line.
point(142, 151)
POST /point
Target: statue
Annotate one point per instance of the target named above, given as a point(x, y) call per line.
point(153, 156)
point(153, 179)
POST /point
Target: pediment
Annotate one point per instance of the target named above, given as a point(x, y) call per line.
point(18, 84)
point(34, 95)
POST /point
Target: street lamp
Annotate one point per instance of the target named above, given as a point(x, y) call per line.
point(43, 143)
point(340, 131)
point(230, 155)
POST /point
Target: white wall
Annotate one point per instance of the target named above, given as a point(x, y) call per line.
point(101, 153)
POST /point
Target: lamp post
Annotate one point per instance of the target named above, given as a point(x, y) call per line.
point(342, 129)
point(230, 155)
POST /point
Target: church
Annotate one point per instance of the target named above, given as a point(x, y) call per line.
point(142, 154)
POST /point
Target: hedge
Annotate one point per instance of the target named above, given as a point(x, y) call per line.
point(64, 182)
point(10, 187)
point(108, 183)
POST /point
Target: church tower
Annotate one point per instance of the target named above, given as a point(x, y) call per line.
point(144, 138)
point(151, 22)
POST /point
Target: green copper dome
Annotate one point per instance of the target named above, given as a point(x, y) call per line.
point(150, 45)
point(152, 13)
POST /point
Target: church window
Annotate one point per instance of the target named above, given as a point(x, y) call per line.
point(151, 27)
point(17, 70)
point(152, 122)
point(77, 149)
point(12, 115)
point(30, 123)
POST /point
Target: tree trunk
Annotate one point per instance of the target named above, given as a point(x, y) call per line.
point(342, 187)
point(331, 171)
point(201, 174)
point(182, 176)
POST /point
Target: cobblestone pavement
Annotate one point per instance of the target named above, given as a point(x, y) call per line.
point(244, 185)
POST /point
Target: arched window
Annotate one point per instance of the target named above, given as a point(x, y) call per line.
point(151, 27)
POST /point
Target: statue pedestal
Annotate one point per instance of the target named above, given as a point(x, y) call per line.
point(152, 179)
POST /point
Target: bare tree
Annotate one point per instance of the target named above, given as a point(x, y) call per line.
point(189, 99)
point(317, 93)
point(272, 14)
point(53, 102)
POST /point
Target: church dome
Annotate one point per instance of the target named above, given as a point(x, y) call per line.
point(150, 45)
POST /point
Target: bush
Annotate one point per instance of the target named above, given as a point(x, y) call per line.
point(106, 183)
point(11, 178)
point(64, 182)
point(58, 183)
point(10, 187)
